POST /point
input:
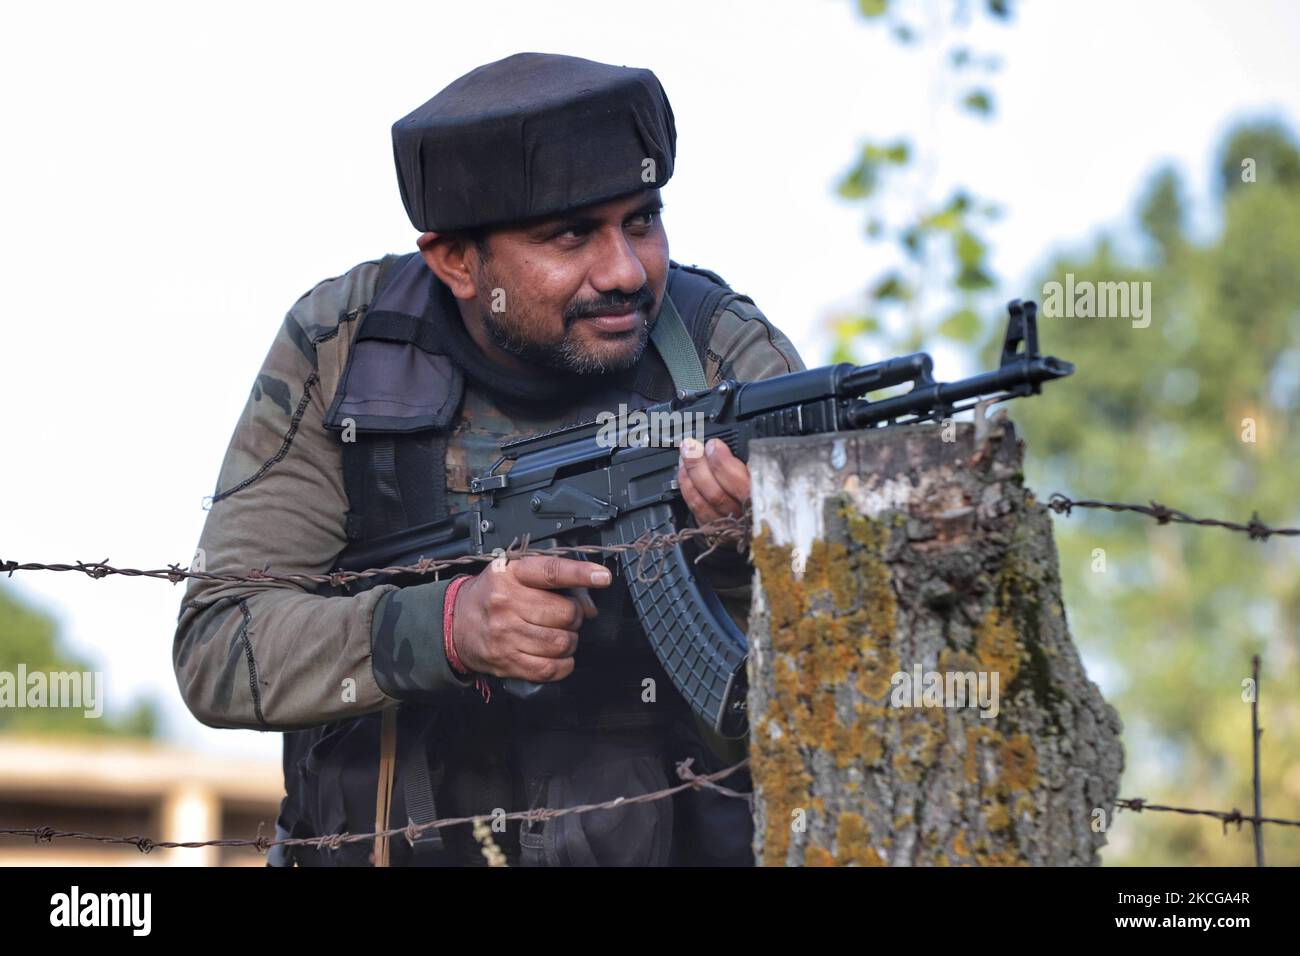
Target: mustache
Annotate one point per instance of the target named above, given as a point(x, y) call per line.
point(611, 304)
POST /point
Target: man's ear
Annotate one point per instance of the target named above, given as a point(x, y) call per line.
point(453, 259)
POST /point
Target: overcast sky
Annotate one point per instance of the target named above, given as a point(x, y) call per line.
point(175, 175)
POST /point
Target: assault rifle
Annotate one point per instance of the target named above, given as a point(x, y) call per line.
point(572, 486)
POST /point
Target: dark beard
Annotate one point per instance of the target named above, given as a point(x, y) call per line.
point(566, 355)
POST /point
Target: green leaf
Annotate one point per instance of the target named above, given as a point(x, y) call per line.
point(873, 8)
point(890, 153)
point(945, 220)
point(847, 326)
point(911, 239)
point(973, 278)
point(950, 216)
point(894, 287)
point(963, 325)
point(898, 153)
point(970, 250)
point(979, 102)
point(865, 325)
point(860, 182)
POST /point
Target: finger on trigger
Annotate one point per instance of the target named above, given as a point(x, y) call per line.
point(717, 497)
point(694, 500)
point(731, 473)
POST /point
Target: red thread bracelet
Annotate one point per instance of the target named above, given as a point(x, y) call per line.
point(448, 645)
point(448, 619)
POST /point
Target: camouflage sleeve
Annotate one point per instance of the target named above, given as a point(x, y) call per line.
point(272, 655)
point(745, 346)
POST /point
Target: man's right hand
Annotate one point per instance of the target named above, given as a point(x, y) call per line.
point(510, 621)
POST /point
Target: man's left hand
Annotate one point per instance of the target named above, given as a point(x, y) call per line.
point(713, 481)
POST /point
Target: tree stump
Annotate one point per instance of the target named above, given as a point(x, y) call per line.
point(915, 698)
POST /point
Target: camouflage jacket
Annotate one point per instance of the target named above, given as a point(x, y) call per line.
point(275, 656)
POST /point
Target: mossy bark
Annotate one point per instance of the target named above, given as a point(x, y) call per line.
point(917, 551)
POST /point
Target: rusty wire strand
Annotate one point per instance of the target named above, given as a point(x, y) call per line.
point(412, 831)
point(1139, 805)
point(719, 531)
point(715, 533)
point(1255, 529)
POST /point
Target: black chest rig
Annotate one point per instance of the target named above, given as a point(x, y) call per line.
point(417, 434)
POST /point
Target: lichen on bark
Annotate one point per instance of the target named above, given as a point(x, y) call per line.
point(926, 553)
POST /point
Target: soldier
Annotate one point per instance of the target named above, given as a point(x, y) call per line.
point(541, 294)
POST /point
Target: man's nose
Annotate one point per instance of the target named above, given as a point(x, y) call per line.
point(617, 266)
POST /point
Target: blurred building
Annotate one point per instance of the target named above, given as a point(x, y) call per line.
point(132, 788)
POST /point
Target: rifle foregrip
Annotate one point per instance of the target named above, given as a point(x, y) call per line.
point(690, 631)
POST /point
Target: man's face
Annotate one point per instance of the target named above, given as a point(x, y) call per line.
point(576, 292)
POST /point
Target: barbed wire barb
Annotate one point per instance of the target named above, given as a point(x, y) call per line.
point(722, 530)
point(334, 841)
point(1255, 529)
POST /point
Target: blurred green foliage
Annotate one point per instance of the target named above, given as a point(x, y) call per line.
point(29, 638)
point(936, 239)
point(1198, 411)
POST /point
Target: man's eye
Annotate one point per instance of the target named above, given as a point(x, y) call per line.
point(648, 218)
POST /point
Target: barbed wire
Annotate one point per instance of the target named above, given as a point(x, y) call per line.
point(1256, 529)
point(412, 831)
point(716, 533)
point(47, 834)
point(720, 531)
point(725, 530)
point(1139, 805)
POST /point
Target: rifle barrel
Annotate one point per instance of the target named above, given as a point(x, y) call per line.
point(926, 399)
point(894, 371)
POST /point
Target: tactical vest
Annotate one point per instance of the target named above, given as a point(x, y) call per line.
point(418, 436)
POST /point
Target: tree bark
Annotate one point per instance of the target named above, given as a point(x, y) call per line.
point(896, 569)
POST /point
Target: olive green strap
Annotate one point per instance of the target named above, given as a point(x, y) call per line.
point(676, 348)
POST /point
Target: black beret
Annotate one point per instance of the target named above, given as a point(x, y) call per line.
point(532, 135)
